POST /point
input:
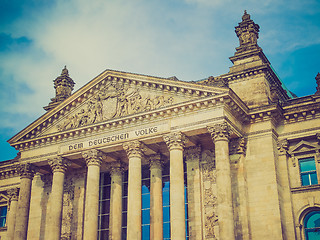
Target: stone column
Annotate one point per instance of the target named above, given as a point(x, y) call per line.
point(156, 214)
point(134, 151)
point(93, 160)
point(220, 134)
point(115, 222)
point(192, 155)
point(59, 166)
point(13, 195)
point(176, 142)
point(26, 172)
point(285, 200)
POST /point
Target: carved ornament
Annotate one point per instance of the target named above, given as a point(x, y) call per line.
point(92, 157)
point(248, 33)
point(117, 168)
point(13, 195)
point(238, 146)
point(134, 149)
point(27, 170)
point(220, 131)
point(116, 99)
point(156, 161)
point(193, 153)
point(283, 146)
point(175, 140)
point(59, 164)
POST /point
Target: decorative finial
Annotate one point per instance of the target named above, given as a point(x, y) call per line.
point(318, 84)
point(245, 16)
point(65, 71)
point(248, 33)
point(63, 86)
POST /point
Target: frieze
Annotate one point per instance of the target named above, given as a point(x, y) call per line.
point(115, 100)
point(114, 138)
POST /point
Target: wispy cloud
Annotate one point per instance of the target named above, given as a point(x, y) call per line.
point(191, 39)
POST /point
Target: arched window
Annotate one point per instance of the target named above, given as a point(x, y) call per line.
point(312, 225)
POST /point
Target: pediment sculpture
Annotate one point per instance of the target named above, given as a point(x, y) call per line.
point(113, 101)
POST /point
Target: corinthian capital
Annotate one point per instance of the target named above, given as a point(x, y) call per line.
point(156, 161)
point(134, 148)
point(220, 131)
point(193, 153)
point(176, 140)
point(92, 157)
point(27, 170)
point(117, 168)
point(59, 164)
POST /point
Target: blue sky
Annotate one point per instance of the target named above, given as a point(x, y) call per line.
point(190, 39)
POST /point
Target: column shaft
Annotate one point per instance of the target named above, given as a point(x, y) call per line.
point(177, 205)
point(21, 226)
point(90, 229)
point(224, 194)
point(26, 175)
point(220, 134)
point(134, 199)
point(175, 142)
point(156, 214)
point(134, 153)
point(58, 166)
point(116, 204)
point(13, 195)
point(56, 205)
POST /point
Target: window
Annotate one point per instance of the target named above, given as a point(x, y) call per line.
point(104, 206)
point(3, 216)
point(312, 225)
point(308, 171)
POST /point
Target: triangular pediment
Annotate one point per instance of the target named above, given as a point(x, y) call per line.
point(3, 198)
point(114, 95)
point(304, 146)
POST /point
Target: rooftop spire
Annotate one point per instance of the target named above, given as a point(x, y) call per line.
point(63, 86)
point(248, 33)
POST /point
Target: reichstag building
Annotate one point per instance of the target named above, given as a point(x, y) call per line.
point(130, 156)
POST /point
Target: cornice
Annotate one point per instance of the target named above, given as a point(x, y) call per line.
point(87, 91)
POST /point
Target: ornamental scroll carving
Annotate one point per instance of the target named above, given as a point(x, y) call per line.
point(209, 193)
point(59, 164)
point(175, 140)
point(134, 148)
point(116, 99)
point(220, 131)
point(92, 157)
point(27, 170)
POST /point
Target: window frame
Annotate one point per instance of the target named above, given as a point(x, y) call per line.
point(4, 204)
point(304, 157)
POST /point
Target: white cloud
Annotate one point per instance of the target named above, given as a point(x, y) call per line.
point(191, 40)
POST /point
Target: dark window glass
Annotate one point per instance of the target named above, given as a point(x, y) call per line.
point(312, 225)
point(308, 171)
point(104, 206)
point(3, 216)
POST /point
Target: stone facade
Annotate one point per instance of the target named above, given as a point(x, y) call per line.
point(236, 144)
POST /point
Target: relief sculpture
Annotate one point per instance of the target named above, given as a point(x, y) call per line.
point(210, 199)
point(114, 100)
